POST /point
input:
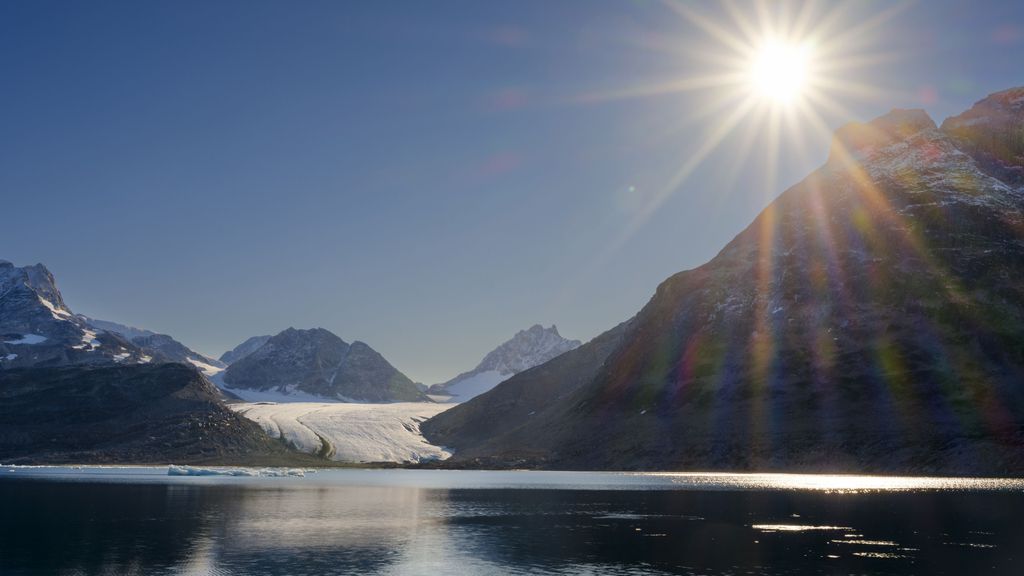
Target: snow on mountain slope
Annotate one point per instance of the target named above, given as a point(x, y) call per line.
point(470, 386)
point(128, 332)
point(244, 349)
point(528, 348)
point(351, 432)
point(38, 329)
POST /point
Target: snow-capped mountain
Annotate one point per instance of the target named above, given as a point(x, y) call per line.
point(528, 348)
point(315, 364)
point(160, 346)
point(871, 318)
point(38, 329)
point(244, 349)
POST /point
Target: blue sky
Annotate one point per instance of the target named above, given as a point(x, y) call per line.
point(428, 177)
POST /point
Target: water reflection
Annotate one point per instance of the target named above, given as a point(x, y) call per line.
point(295, 528)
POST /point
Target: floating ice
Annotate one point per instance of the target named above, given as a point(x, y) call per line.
point(174, 470)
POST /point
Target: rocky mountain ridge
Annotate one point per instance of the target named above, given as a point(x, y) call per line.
point(318, 363)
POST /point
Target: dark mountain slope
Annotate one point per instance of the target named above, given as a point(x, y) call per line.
point(870, 319)
point(477, 427)
point(138, 414)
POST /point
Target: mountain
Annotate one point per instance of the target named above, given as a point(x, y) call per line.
point(990, 133)
point(170, 350)
point(870, 319)
point(243, 349)
point(139, 414)
point(300, 364)
point(161, 346)
point(528, 348)
point(127, 332)
point(38, 329)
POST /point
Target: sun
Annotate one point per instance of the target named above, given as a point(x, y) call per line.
point(779, 71)
point(772, 78)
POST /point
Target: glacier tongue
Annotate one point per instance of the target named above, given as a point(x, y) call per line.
point(347, 432)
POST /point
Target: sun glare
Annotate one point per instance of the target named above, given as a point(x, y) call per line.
point(779, 71)
point(771, 77)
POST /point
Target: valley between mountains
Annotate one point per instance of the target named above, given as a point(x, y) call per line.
point(870, 319)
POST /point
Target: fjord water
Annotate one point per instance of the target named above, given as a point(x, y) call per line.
point(141, 521)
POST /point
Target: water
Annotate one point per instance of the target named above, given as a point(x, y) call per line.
point(141, 521)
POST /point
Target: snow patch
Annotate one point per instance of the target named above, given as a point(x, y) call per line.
point(89, 341)
point(279, 394)
point(207, 369)
point(57, 313)
point(27, 339)
point(472, 386)
point(10, 357)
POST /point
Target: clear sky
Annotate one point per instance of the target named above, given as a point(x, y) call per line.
point(428, 177)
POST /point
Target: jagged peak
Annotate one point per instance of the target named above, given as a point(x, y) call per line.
point(859, 138)
point(38, 278)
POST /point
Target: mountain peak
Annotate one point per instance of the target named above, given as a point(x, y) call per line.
point(527, 349)
point(316, 362)
point(858, 139)
point(990, 132)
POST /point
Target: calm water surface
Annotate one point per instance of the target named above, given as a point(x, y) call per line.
point(142, 521)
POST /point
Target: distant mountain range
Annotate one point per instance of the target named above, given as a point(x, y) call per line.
point(870, 319)
point(79, 389)
point(528, 348)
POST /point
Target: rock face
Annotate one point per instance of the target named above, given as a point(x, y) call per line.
point(243, 349)
point(156, 413)
point(318, 363)
point(528, 348)
point(991, 132)
point(870, 319)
